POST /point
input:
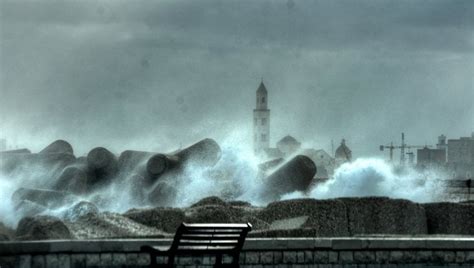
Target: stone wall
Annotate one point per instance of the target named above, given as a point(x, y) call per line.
point(274, 252)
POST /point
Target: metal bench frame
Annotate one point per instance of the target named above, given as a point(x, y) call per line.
point(200, 239)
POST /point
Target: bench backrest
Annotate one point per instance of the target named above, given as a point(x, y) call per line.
point(210, 238)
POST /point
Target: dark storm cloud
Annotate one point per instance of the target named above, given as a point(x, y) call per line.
point(143, 73)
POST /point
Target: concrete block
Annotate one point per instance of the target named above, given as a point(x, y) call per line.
point(24, 261)
point(185, 260)
point(266, 257)
point(277, 257)
point(300, 257)
point(364, 256)
point(346, 257)
point(105, 259)
point(333, 257)
point(92, 259)
point(52, 261)
point(424, 256)
point(143, 259)
point(396, 256)
point(470, 256)
point(460, 256)
point(308, 256)
point(409, 256)
point(382, 256)
point(289, 257)
point(252, 258)
point(64, 261)
point(323, 257)
point(119, 259)
point(78, 261)
point(38, 261)
point(131, 259)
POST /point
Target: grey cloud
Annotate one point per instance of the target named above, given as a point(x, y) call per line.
point(133, 73)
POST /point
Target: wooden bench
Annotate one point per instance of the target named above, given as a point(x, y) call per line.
point(200, 239)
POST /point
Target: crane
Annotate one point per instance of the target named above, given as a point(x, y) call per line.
point(402, 148)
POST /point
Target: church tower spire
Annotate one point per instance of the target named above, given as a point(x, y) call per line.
point(261, 121)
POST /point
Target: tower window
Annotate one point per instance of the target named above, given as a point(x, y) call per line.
point(264, 121)
point(255, 121)
point(264, 137)
point(263, 99)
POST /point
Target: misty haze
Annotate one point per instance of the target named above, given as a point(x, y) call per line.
point(123, 119)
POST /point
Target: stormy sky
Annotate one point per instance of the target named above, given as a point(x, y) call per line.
point(156, 74)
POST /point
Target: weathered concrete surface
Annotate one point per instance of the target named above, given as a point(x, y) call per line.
point(16, 151)
point(53, 162)
point(383, 215)
point(47, 198)
point(103, 164)
point(205, 152)
point(26, 208)
point(73, 179)
point(295, 175)
point(58, 147)
point(42, 227)
point(450, 218)
point(326, 217)
point(162, 194)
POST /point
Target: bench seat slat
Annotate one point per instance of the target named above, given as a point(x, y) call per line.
point(207, 232)
point(210, 237)
point(215, 225)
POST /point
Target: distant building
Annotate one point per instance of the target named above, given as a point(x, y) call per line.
point(461, 151)
point(430, 157)
point(324, 162)
point(461, 156)
point(343, 153)
point(288, 145)
point(442, 143)
point(261, 121)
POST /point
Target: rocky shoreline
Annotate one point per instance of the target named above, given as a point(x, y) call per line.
point(341, 217)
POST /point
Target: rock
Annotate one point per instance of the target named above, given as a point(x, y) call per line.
point(303, 232)
point(79, 210)
point(295, 175)
point(73, 179)
point(239, 203)
point(211, 200)
point(382, 215)
point(224, 214)
point(326, 217)
point(102, 164)
point(166, 219)
point(58, 147)
point(109, 225)
point(42, 228)
point(450, 218)
point(47, 198)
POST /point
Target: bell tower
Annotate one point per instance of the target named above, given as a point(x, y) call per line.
point(261, 121)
